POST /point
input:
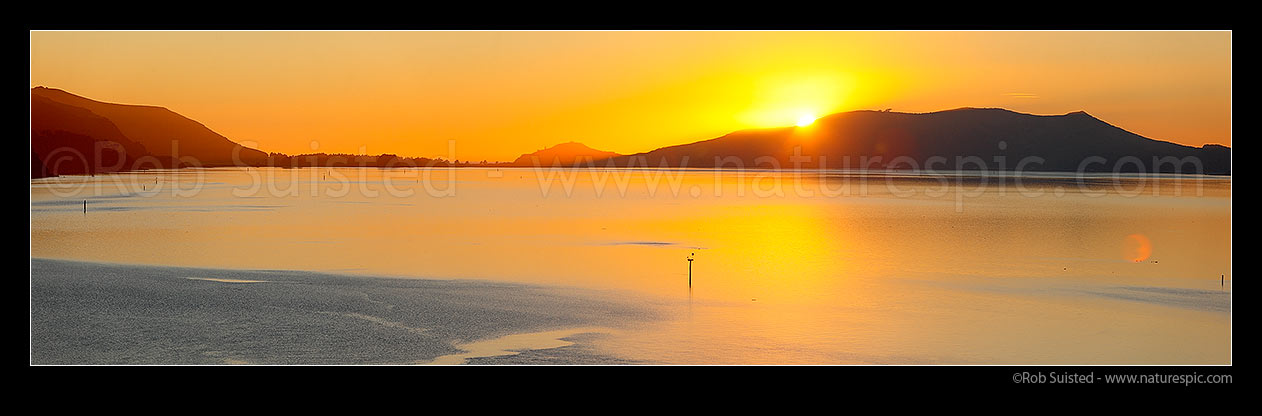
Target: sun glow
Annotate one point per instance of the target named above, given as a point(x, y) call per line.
point(409, 92)
point(795, 98)
point(806, 120)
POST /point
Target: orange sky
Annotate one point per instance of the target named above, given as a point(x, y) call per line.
point(498, 94)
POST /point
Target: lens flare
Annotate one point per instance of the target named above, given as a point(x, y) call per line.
point(1136, 248)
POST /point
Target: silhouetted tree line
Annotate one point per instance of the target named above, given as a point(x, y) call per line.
point(386, 160)
point(58, 152)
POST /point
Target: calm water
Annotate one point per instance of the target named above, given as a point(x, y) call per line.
point(827, 268)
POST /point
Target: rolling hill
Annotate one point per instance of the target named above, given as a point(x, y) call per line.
point(964, 139)
point(564, 154)
point(162, 132)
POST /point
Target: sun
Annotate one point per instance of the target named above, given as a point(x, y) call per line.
point(806, 120)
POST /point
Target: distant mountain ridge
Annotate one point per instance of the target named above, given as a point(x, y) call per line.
point(564, 154)
point(996, 139)
point(115, 136)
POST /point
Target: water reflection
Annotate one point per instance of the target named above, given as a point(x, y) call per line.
point(789, 268)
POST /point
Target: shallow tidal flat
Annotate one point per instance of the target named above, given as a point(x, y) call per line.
point(93, 313)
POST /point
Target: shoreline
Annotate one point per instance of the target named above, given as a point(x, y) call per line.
point(510, 345)
point(85, 313)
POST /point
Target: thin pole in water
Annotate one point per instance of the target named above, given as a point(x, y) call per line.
point(690, 269)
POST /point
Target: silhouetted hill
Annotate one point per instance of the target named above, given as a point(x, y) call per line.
point(564, 154)
point(946, 140)
point(50, 115)
point(161, 131)
point(64, 153)
point(72, 140)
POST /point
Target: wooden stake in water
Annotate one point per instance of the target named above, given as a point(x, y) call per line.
point(690, 269)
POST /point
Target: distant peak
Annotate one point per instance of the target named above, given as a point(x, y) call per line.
point(1081, 114)
point(565, 153)
point(569, 145)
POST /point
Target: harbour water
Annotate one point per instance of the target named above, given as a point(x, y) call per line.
point(789, 267)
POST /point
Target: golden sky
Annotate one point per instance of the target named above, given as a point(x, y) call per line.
point(498, 94)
